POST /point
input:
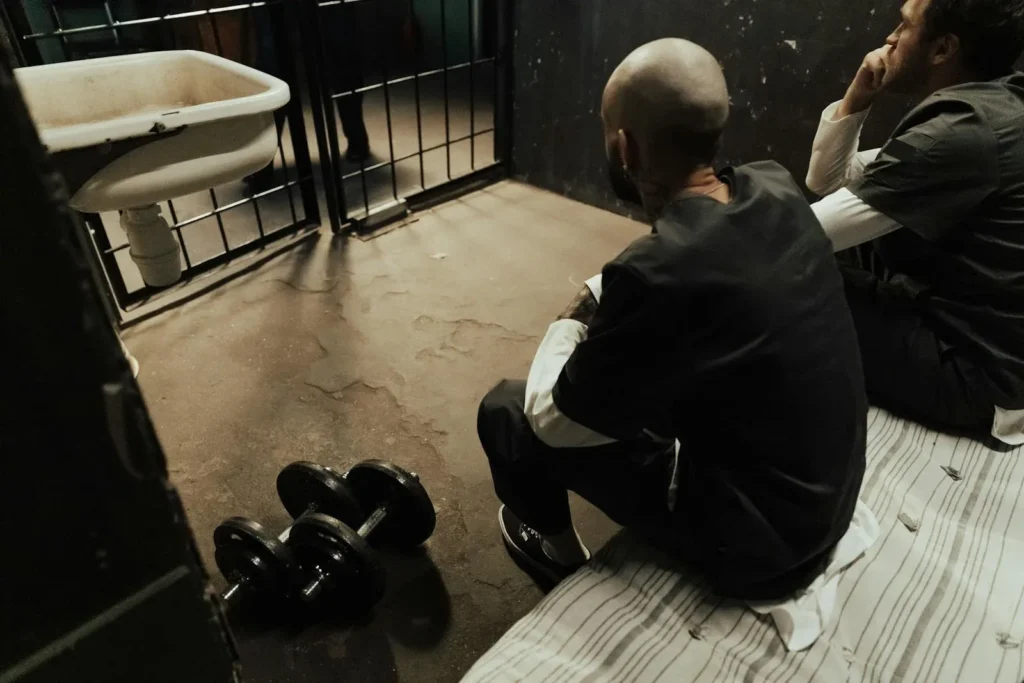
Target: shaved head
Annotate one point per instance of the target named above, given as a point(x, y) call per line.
point(664, 109)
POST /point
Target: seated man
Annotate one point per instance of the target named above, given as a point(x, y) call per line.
point(938, 297)
point(706, 389)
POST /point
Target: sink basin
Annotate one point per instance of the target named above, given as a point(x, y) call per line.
point(130, 131)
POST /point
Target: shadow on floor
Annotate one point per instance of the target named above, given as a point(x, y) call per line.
point(332, 644)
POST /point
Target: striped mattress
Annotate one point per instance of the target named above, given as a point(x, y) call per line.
point(937, 598)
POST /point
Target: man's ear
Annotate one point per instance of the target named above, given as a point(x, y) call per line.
point(945, 49)
point(629, 152)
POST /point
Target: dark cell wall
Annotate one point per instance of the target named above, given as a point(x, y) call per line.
point(784, 61)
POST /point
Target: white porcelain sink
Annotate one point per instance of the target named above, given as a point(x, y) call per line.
point(134, 130)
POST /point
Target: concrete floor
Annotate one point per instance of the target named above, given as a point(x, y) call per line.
point(342, 350)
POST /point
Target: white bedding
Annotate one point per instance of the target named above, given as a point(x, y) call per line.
point(942, 603)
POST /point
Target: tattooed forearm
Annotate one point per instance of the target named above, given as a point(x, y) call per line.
point(582, 308)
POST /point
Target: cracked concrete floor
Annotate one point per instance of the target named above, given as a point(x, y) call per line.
point(341, 350)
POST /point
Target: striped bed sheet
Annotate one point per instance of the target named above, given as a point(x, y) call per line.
point(937, 598)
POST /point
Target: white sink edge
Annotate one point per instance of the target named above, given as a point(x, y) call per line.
point(202, 156)
point(76, 136)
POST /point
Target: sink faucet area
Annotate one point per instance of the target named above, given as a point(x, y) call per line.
point(130, 131)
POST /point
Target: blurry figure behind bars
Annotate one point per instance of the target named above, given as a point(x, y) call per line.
point(344, 49)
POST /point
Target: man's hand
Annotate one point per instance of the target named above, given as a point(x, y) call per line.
point(582, 308)
point(868, 84)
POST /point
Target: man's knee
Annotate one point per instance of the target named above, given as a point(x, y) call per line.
point(500, 411)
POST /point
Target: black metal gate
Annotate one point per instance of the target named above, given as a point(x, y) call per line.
point(417, 89)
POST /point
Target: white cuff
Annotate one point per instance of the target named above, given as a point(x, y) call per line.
point(594, 284)
point(828, 117)
point(550, 425)
point(848, 220)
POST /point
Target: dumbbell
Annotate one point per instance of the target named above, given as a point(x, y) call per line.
point(253, 560)
point(333, 555)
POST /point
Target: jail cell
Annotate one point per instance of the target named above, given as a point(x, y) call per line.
point(413, 95)
point(217, 226)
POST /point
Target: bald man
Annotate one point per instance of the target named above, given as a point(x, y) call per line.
point(706, 389)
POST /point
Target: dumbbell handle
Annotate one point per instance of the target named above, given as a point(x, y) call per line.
point(233, 593)
point(315, 585)
point(373, 521)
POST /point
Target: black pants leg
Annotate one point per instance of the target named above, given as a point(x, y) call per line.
point(908, 369)
point(350, 111)
point(628, 481)
point(345, 42)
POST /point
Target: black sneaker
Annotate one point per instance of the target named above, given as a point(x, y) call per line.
point(526, 547)
point(356, 154)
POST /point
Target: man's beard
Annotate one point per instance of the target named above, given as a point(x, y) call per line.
point(622, 185)
point(910, 77)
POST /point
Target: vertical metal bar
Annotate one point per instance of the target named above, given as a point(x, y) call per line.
point(181, 238)
point(213, 195)
point(115, 277)
point(416, 91)
point(92, 254)
point(470, 4)
point(311, 50)
point(495, 65)
point(362, 178)
point(216, 34)
point(259, 219)
point(297, 124)
point(503, 85)
point(63, 39)
point(391, 142)
point(110, 19)
point(444, 75)
point(220, 221)
point(174, 214)
point(284, 168)
point(387, 112)
point(184, 251)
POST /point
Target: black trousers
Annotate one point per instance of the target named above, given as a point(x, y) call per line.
point(344, 45)
point(350, 111)
point(908, 369)
point(628, 481)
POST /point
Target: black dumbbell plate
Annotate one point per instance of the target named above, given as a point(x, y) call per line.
point(321, 541)
point(247, 553)
point(309, 487)
point(411, 517)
